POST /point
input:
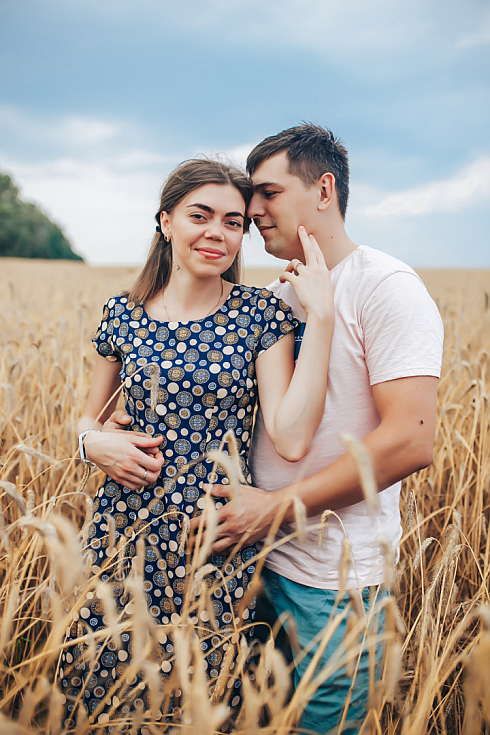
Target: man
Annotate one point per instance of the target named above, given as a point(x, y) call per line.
point(382, 383)
point(385, 362)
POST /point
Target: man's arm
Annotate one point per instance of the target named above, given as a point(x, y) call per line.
point(402, 443)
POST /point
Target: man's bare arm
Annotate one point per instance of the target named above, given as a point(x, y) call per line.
point(401, 444)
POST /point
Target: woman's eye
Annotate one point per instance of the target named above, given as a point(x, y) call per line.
point(198, 216)
point(235, 223)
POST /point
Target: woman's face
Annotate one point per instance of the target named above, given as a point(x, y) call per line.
point(206, 229)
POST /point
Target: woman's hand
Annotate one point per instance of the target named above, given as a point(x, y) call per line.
point(119, 421)
point(311, 279)
point(131, 458)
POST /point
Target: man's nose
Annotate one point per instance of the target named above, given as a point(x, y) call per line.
point(255, 208)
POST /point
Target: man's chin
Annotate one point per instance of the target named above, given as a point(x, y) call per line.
point(277, 249)
point(273, 247)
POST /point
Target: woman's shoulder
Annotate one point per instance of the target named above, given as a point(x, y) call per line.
point(118, 304)
point(264, 298)
point(255, 293)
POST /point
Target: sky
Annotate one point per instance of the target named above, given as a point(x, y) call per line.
point(100, 99)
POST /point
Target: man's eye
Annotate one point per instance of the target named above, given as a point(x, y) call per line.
point(268, 194)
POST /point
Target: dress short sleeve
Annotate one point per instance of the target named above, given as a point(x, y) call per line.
point(104, 339)
point(273, 319)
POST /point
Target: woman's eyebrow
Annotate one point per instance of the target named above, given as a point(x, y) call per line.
point(210, 210)
point(202, 206)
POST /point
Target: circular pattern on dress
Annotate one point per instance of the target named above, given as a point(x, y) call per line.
point(206, 385)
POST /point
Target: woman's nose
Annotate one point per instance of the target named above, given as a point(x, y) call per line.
point(214, 231)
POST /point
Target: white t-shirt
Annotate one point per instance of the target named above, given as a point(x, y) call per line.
point(386, 327)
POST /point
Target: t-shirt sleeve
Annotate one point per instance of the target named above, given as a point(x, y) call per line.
point(273, 319)
point(402, 329)
point(104, 339)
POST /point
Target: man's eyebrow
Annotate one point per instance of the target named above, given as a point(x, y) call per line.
point(259, 187)
point(209, 209)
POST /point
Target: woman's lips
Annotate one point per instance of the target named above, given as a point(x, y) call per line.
point(210, 253)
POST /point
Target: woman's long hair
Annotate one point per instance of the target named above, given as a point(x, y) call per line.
point(185, 178)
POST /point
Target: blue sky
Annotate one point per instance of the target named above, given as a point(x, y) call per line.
point(100, 99)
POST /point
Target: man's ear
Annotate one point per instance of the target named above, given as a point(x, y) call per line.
point(326, 190)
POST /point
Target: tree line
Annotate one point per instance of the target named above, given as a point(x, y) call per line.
point(25, 231)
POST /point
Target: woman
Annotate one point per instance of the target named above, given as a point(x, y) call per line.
point(194, 352)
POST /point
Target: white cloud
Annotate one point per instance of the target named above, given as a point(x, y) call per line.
point(107, 214)
point(99, 188)
point(478, 38)
point(332, 27)
point(103, 197)
point(69, 131)
point(86, 130)
point(469, 186)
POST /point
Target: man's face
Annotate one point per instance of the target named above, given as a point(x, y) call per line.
point(280, 203)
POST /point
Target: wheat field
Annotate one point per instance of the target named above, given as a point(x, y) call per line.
point(436, 676)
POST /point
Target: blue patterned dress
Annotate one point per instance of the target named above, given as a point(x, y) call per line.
point(206, 386)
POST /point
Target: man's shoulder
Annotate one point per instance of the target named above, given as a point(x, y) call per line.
point(367, 271)
point(371, 262)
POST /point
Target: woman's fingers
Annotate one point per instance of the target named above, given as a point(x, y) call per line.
point(311, 248)
point(311, 280)
point(308, 249)
point(135, 478)
point(312, 251)
point(133, 460)
point(288, 277)
point(291, 267)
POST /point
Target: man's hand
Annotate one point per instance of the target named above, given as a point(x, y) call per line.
point(245, 521)
point(118, 421)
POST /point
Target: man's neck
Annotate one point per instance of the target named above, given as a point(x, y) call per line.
point(335, 244)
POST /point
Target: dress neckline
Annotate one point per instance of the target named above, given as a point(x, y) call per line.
point(224, 306)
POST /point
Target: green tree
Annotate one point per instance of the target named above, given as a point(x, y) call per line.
point(25, 231)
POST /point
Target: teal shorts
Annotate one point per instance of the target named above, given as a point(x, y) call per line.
point(344, 695)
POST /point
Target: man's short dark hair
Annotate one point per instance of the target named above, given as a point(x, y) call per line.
point(312, 151)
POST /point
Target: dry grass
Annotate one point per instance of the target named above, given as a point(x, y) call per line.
point(436, 677)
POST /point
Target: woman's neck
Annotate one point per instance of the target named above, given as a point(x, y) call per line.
point(186, 297)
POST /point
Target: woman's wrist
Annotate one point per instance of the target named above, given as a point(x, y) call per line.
point(323, 315)
point(83, 444)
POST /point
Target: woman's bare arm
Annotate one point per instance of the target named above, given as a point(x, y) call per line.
point(292, 398)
